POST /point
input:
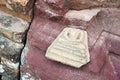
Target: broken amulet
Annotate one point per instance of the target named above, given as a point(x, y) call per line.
point(70, 48)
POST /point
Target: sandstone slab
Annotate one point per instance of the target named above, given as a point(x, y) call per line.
point(83, 4)
point(116, 62)
point(41, 7)
point(39, 67)
point(10, 70)
point(44, 30)
point(84, 15)
point(9, 74)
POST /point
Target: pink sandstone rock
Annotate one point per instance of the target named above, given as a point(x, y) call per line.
point(103, 37)
point(44, 69)
point(82, 4)
point(116, 63)
point(19, 8)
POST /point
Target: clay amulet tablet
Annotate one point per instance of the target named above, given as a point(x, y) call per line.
point(70, 48)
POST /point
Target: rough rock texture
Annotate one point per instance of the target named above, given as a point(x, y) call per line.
point(20, 8)
point(12, 27)
point(12, 36)
point(82, 4)
point(47, 24)
point(9, 49)
point(100, 18)
point(81, 15)
point(11, 70)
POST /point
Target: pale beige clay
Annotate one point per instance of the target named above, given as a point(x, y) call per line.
point(70, 48)
point(84, 15)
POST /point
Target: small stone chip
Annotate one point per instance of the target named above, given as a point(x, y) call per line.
point(70, 48)
point(84, 15)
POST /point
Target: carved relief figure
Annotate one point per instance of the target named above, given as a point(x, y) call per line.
point(70, 47)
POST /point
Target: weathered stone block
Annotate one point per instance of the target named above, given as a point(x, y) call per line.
point(78, 18)
point(115, 60)
point(84, 15)
point(13, 27)
point(70, 47)
point(10, 74)
point(9, 49)
point(36, 66)
point(1, 69)
point(115, 43)
point(83, 4)
point(43, 31)
point(9, 70)
point(24, 7)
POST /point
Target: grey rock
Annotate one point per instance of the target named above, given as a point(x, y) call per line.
point(10, 74)
point(9, 49)
point(13, 27)
point(20, 8)
point(1, 68)
point(24, 54)
point(8, 63)
point(20, 5)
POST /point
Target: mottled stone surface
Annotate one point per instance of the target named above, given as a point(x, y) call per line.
point(10, 64)
point(48, 24)
point(9, 74)
point(50, 18)
point(115, 61)
point(19, 8)
point(80, 18)
point(12, 27)
point(115, 43)
point(12, 37)
point(70, 47)
point(40, 67)
point(84, 15)
point(20, 5)
point(9, 49)
point(82, 4)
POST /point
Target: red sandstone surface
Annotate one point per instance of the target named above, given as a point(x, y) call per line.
point(103, 35)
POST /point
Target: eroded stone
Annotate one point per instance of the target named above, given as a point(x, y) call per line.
point(19, 8)
point(9, 63)
point(12, 27)
point(10, 70)
point(84, 15)
point(10, 49)
point(19, 5)
point(1, 68)
point(9, 74)
point(70, 47)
